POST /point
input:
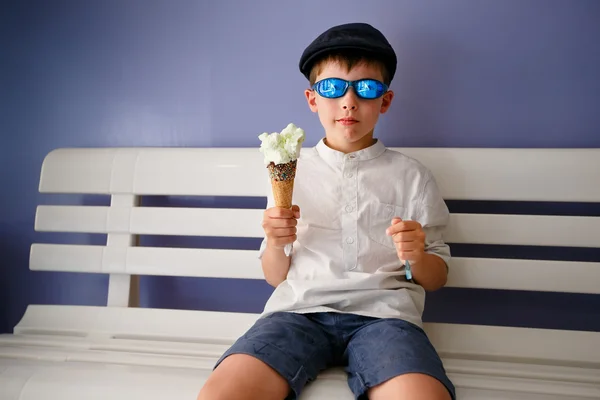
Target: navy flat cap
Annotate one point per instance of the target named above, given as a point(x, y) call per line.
point(357, 36)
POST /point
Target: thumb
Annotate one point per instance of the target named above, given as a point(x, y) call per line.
point(395, 220)
point(296, 211)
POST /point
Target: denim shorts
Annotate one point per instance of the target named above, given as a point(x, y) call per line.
point(372, 350)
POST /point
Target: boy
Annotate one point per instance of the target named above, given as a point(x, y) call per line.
point(343, 296)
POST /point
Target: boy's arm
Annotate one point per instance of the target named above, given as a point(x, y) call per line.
point(428, 270)
point(279, 225)
point(423, 245)
point(275, 265)
point(431, 272)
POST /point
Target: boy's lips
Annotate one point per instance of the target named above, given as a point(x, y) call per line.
point(347, 121)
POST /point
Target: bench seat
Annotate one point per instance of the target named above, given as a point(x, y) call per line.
point(95, 344)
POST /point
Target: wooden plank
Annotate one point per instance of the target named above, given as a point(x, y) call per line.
point(531, 230)
point(462, 174)
point(156, 171)
point(552, 276)
point(150, 220)
point(77, 171)
point(507, 344)
point(135, 323)
point(536, 275)
point(536, 230)
point(513, 174)
point(568, 348)
point(213, 263)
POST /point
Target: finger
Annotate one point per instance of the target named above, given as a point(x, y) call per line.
point(409, 255)
point(279, 222)
point(281, 242)
point(407, 236)
point(403, 226)
point(283, 232)
point(274, 231)
point(296, 211)
point(409, 246)
point(279, 212)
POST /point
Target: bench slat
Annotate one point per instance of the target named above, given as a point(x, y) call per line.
point(568, 348)
point(176, 326)
point(121, 376)
point(213, 263)
point(117, 376)
point(513, 174)
point(552, 276)
point(155, 171)
point(533, 230)
point(151, 220)
point(535, 275)
point(501, 174)
point(204, 356)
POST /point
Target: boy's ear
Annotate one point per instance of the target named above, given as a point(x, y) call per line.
point(387, 101)
point(310, 98)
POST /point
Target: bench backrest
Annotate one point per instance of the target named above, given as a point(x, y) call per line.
point(126, 174)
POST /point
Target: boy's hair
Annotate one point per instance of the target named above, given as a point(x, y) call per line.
point(348, 59)
point(349, 44)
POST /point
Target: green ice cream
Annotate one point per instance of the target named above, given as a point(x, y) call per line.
point(284, 147)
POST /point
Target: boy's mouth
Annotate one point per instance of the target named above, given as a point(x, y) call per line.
point(347, 121)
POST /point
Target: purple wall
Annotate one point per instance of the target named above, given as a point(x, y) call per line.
point(189, 73)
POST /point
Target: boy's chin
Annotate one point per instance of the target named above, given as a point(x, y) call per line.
point(348, 138)
point(355, 135)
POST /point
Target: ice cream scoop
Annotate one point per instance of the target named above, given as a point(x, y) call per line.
point(283, 147)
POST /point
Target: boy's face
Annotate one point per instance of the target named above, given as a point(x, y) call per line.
point(349, 121)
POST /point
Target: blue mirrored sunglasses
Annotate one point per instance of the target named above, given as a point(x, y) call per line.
point(332, 88)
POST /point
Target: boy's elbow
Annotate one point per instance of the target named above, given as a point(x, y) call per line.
point(274, 281)
point(436, 284)
point(274, 278)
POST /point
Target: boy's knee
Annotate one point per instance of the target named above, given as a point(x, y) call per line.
point(253, 380)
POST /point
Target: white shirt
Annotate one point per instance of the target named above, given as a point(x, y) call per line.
point(343, 261)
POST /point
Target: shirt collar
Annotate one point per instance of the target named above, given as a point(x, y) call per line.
point(334, 156)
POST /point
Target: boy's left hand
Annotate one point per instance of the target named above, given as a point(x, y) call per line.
point(409, 238)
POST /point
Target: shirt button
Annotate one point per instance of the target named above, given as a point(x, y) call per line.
point(349, 208)
point(352, 156)
point(349, 175)
point(349, 240)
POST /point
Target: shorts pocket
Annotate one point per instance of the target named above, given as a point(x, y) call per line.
point(380, 218)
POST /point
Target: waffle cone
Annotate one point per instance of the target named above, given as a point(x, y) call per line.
point(282, 192)
point(282, 182)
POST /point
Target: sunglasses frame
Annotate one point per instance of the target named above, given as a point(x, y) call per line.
point(348, 83)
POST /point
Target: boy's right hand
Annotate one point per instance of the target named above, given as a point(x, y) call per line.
point(280, 226)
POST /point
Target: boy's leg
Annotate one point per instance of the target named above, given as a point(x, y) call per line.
point(241, 376)
point(273, 360)
point(410, 386)
point(392, 359)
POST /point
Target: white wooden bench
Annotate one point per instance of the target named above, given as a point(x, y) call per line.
point(123, 352)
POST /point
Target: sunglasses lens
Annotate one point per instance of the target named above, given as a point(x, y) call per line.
point(331, 88)
point(370, 88)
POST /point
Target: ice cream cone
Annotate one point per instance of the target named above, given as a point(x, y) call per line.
point(282, 192)
point(282, 182)
point(281, 152)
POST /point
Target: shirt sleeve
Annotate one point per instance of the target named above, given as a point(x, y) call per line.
point(434, 219)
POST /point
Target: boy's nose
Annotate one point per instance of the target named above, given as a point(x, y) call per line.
point(349, 101)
